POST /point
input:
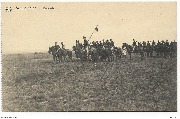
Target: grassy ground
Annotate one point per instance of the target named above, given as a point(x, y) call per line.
point(31, 82)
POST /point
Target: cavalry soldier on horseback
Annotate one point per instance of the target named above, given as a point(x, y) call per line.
point(148, 49)
point(76, 43)
point(167, 43)
point(85, 42)
point(97, 45)
point(148, 43)
point(111, 43)
point(134, 44)
point(153, 43)
point(57, 47)
point(100, 45)
point(103, 42)
point(124, 50)
point(93, 44)
point(144, 43)
point(139, 44)
point(107, 43)
point(162, 42)
point(158, 43)
point(63, 46)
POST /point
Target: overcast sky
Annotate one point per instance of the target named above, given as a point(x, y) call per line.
point(35, 29)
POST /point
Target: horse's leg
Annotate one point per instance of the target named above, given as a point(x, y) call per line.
point(57, 58)
point(64, 55)
point(61, 58)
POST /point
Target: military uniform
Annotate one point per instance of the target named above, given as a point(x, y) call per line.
point(56, 47)
point(63, 47)
point(111, 43)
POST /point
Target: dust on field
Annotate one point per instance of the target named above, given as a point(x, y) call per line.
point(32, 82)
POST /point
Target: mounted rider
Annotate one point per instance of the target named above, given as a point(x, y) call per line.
point(148, 44)
point(111, 43)
point(57, 47)
point(134, 45)
point(153, 43)
point(63, 46)
point(139, 44)
point(100, 45)
point(85, 42)
point(167, 43)
point(107, 44)
point(103, 42)
point(97, 45)
point(134, 42)
point(124, 49)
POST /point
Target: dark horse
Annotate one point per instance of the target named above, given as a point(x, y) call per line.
point(81, 53)
point(118, 53)
point(106, 54)
point(57, 53)
point(66, 53)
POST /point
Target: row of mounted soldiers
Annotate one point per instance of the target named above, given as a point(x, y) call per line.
point(96, 44)
point(159, 49)
point(95, 50)
point(153, 43)
point(105, 50)
point(108, 51)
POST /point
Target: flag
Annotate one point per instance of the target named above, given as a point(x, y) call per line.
point(96, 28)
point(84, 37)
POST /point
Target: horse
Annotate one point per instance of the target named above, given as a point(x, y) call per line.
point(76, 51)
point(139, 50)
point(80, 52)
point(117, 52)
point(149, 50)
point(106, 54)
point(93, 54)
point(161, 50)
point(57, 53)
point(66, 53)
point(173, 49)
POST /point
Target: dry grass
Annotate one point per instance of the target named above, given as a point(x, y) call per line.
point(31, 82)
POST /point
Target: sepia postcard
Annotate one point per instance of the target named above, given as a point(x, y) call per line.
point(89, 56)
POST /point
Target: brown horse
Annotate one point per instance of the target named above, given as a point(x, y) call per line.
point(57, 53)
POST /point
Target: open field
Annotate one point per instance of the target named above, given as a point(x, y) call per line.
point(32, 82)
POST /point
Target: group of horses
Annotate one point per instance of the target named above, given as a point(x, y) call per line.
point(93, 54)
point(159, 50)
point(60, 54)
point(97, 54)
